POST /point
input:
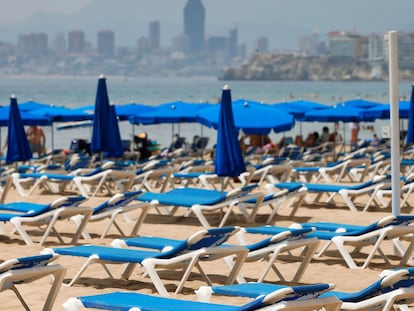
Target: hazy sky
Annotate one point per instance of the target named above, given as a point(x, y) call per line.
point(282, 21)
point(16, 10)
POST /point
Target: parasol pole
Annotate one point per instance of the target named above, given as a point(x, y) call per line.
point(394, 118)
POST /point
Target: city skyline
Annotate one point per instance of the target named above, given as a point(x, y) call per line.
point(279, 20)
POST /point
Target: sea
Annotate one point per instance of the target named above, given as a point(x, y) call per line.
point(77, 91)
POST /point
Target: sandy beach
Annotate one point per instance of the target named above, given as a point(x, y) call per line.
point(330, 269)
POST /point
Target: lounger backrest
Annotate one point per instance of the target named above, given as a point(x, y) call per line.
point(238, 192)
point(383, 285)
point(201, 239)
point(279, 235)
point(67, 201)
point(119, 199)
point(27, 262)
point(210, 237)
point(407, 279)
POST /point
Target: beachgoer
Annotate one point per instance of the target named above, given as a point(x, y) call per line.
point(336, 137)
point(354, 127)
point(254, 143)
point(195, 144)
point(375, 140)
point(312, 139)
point(37, 140)
point(324, 137)
point(299, 141)
point(142, 145)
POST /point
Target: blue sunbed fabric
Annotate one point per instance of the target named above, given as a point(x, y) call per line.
point(315, 187)
point(328, 230)
point(124, 301)
point(29, 209)
point(253, 290)
point(186, 197)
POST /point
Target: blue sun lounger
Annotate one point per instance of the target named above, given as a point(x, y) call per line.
point(120, 203)
point(21, 214)
point(282, 299)
point(52, 181)
point(25, 270)
point(390, 228)
point(346, 191)
point(393, 287)
point(199, 201)
point(267, 249)
point(184, 255)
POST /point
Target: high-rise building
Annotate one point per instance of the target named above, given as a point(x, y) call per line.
point(194, 23)
point(154, 35)
point(76, 41)
point(233, 43)
point(106, 43)
point(262, 45)
point(59, 43)
point(33, 43)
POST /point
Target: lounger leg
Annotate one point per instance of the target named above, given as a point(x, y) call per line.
point(187, 273)
point(81, 228)
point(143, 213)
point(58, 276)
point(77, 220)
point(155, 278)
point(17, 223)
point(91, 260)
point(128, 271)
point(345, 196)
point(20, 297)
point(199, 214)
point(408, 253)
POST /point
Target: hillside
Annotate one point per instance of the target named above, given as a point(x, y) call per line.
point(297, 68)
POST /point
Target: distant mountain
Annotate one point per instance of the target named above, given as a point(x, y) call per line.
point(282, 21)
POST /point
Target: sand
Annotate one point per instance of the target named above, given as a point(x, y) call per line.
point(330, 269)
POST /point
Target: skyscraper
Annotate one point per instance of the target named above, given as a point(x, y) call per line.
point(106, 43)
point(154, 35)
point(33, 43)
point(194, 23)
point(76, 41)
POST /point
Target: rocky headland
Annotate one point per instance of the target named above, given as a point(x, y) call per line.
point(315, 68)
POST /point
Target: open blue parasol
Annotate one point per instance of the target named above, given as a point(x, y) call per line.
point(229, 159)
point(252, 117)
point(105, 133)
point(18, 148)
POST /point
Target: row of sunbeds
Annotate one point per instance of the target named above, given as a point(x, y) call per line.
point(208, 245)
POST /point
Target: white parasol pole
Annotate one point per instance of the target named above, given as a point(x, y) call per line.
point(394, 117)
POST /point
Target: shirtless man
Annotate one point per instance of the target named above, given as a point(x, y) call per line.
point(37, 139)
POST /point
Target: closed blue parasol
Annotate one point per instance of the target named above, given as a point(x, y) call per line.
point(229, 160)
point(18, 148)
point(410, 129)
point(105, 134)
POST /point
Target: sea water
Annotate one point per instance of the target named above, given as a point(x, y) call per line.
point(81, 91)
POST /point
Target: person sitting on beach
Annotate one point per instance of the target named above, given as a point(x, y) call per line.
point(299, 141)
point(324, 137)
point(311, 140)
point(336, 137)
point(254, 143)
point(142, 145)
point(37, 140)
